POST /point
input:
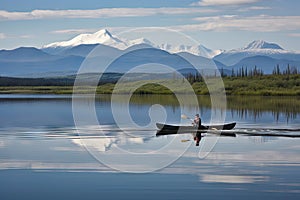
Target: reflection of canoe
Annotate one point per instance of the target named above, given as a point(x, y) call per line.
point(165, 129)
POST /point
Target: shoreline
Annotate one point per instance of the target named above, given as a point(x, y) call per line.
point(61, 90)
point(265, 85)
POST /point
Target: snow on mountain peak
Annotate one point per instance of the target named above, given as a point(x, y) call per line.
point(193, 49)
point(260, 44)
point(141, 41)
point(103, 36)
point(99, 37)
point(103, 32)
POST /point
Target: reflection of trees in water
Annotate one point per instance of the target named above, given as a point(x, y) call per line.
point(243, 106)
point(287, 115)
point(262, 139)
point(244, 113)
point(254, 107)
point(256, 114)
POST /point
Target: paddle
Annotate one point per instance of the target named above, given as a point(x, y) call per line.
point(185, 140)
point(186, 117)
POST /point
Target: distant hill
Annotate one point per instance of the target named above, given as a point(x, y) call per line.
point(25, 54)
point(265, 63)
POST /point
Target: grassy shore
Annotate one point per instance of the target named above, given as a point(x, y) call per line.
point(267, 85)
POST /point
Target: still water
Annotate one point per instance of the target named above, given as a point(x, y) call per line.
point(43, 155)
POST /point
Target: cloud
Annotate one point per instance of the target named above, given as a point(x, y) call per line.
point(51, 165)
point(212, 178)
point(73, 31)
point(24, 36)
point(260, 23)
point(99, 13)
point(223, 2)
point(2, 144)
point(294, 34)
point(2, 36)
point(251, 8)
point(5, 36)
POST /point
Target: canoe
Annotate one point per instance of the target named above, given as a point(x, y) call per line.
point(165, 129)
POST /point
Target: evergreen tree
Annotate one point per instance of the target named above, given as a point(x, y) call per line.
point(232, 73)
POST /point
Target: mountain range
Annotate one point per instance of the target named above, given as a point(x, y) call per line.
point(64, 58)
point(106, 38)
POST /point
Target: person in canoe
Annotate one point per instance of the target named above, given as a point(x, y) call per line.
point(197, 121)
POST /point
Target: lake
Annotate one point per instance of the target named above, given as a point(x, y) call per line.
point(46, 155)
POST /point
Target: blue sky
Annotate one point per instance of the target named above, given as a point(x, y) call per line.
point(216, 24)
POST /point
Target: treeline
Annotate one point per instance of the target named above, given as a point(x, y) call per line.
point(11, 81)
point(241, 72)
point(87, 79)
point(114, 77)
point(288, 71)
point(244, 72)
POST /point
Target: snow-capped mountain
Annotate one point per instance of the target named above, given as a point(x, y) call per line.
point(106, 38)
point(261, 44)
point(140, 41)
point(256, 48)
point(198, 50)
point(99, 37)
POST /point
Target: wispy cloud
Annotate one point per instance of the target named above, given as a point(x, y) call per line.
point(73, 31)
point(260, 23)
point(99, 13)
point(212, 178)
point(2, 144)
point(223, 2)
point(294, 34)
point(2, 36)
point(251, 8)
point(5, 36)
point(24, 36)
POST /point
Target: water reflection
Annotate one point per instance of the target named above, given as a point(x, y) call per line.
point(38, 135)
point(243, 107)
